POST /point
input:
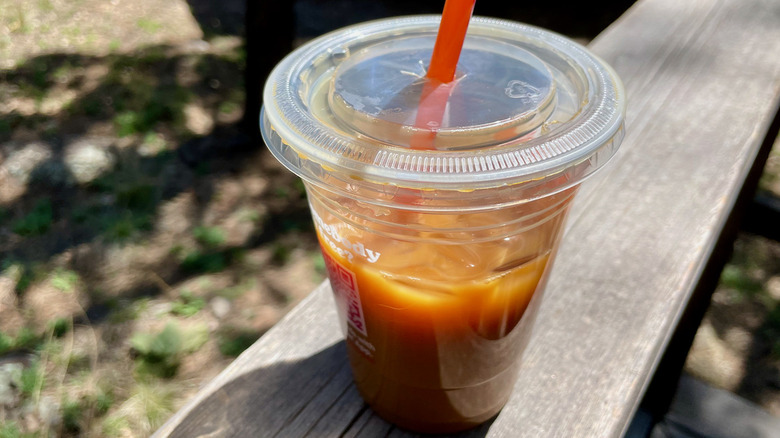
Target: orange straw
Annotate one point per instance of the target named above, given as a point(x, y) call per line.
point(436, 91)
point(449, 41)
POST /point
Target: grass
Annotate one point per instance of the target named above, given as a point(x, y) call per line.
point(114, 426)
point(60, 326)
point(319, 264)
point(103, 402)
point(149, 405)
point(36, 222)
point(148, 25)
point(72, 412)
point(281, 253)
point(736, 276)
point(66, 236)
point(10, 429)
point(31, 380)
point(197, 262)
point(209, 237)
point(131, 213)
point(159, 353)
point(65, 280)
point(25, 339)
point(187, 305)
point(233, 342)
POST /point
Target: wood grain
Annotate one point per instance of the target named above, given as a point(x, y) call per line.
point(703, 85)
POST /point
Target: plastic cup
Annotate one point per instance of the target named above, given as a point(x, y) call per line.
point(438, 257)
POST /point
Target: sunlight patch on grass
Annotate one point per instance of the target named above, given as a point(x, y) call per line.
point(64, 279)
point(148, 25)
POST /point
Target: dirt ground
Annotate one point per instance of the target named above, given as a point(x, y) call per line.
point(129, 275)
point(132, 272)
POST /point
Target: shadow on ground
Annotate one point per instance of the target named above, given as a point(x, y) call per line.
point(90, 154)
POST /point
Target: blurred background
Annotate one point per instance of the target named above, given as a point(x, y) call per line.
point(147, 237)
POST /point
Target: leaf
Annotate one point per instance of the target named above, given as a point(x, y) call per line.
point(142, 342)
point(167, 343)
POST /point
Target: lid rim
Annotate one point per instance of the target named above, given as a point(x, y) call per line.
point(497, 165)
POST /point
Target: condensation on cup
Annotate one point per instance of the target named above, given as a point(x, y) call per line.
point(438, 257)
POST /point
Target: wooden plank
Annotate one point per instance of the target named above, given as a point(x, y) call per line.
point(703, 83)
point(339, 416)
point(700, 102)
point(340, 399)
point(368, 426)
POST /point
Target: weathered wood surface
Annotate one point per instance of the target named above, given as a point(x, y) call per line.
point(703, 84)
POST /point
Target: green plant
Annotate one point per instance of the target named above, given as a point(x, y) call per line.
point(72, 412)
point(103, 402)
point(114, 45)
point(20, 274)
point(228, 107)
point(159, 352)
point(10, 430)
point(113, 426)
point(137, 197)
point(198, 262)
point(36, 222)
point(127, 225)
point(319, 263)
point(25, 339)
point(150, 404)
point(127, 123)
point(64, 279)
point(209, 237)
point(148, 25)
point(187, 304)
point(234, 342)
point(736, 277)
point(32, 379)
point(60, 326)
point(6, 343)
point(281, 253)
point(63, 73)
point(154, 142)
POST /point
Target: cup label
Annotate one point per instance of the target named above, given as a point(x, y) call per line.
point(341, 245)
point(344, 285)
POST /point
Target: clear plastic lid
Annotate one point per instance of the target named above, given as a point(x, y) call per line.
point(527, 107)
